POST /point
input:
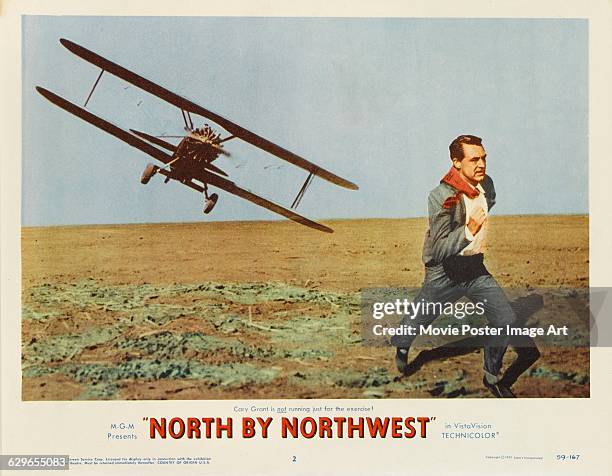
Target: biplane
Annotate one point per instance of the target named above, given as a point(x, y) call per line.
point(190, 162)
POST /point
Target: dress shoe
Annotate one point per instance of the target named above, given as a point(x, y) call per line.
point(401, 361)
point(499, 389)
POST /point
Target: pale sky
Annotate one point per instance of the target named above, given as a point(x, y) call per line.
point(376, 101)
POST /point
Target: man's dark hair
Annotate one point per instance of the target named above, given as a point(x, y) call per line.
point(456, 149)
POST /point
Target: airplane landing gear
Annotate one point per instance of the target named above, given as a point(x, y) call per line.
point(148, 172)
point(210, 202)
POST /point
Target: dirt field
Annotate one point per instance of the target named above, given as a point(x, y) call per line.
point(266, 309)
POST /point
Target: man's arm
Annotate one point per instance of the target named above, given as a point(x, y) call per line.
point(446, 241)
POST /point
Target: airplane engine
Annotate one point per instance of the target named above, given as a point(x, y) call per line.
point(210, 202)
point(148, 172)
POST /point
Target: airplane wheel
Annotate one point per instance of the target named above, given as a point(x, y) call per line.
point(148, 172)
point(210, 203)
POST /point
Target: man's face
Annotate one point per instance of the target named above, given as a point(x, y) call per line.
point(473, 165)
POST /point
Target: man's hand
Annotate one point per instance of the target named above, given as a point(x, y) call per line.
point(476, 220)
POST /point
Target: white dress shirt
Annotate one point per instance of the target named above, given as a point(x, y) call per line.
point(477, 244)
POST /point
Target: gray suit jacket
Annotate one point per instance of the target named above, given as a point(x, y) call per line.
point(446, 234)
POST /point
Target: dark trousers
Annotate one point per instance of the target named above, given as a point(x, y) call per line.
point(438, 287)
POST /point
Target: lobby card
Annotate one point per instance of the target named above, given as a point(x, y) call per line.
point(307, 240)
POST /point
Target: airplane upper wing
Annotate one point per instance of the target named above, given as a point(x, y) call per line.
point(160, 155)
point(189, 106)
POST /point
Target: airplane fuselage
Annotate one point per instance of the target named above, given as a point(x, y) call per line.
point(196, 151)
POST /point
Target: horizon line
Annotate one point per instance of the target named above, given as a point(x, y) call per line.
point(284, 221)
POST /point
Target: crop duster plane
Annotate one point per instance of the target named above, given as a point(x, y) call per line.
point(191, 161)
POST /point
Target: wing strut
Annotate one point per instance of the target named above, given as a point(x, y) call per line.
point(227, 138)
point(94, 87)
point(302, 191)
point(188, 125)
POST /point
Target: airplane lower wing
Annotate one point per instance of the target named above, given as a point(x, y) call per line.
point(155, 140)
point(105, 125)
point(147, 148)
point(232, 188)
